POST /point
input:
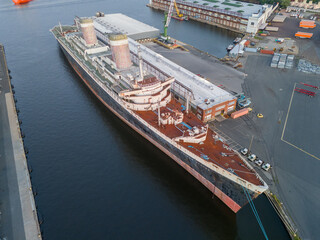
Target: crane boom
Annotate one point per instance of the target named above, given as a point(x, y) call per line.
point(169, 13)
point(177, 9)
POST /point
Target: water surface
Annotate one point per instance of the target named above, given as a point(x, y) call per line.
point(95, 177)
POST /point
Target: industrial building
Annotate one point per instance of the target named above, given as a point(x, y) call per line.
point(204, 98)
point(234, 15)
point(123, 24)
point(305, 4)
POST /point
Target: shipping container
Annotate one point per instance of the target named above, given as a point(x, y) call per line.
point(303, 35)
point(307, 24)
point(272, 29)
point(239, 113)
point(251, 49)
point(264, 51)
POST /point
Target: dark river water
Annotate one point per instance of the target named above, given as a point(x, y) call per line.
point(95, 177)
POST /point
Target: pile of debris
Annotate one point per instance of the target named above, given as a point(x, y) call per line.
point(307, 67)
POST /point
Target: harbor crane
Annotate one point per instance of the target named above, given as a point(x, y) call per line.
point(167, 18)
point(180, 15)
point(169, 15)
point(164, 39)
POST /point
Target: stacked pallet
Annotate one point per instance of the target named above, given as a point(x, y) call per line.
point(275, 60)
point(289, 62)
point(282, 61)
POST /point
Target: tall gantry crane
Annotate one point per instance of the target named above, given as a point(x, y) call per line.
point(164, 39)
point(167, 18)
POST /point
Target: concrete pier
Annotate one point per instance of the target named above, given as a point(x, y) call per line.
point(18, 215)
point(208, 66)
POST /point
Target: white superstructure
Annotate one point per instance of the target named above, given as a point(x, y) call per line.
point(201, 93)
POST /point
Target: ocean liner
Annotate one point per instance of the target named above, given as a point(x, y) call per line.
point(119, 78)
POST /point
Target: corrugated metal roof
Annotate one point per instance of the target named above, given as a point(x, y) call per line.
point(132, 28)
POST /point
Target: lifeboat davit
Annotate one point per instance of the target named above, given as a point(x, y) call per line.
point(21, 1)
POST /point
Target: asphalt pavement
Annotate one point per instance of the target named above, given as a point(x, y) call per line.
point(287, 137)
point(308, 48)
point(204, 64)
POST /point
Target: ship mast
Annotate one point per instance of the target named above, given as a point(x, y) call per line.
point(140, 64)
point(60, 28)
point(187, 105)
point(159, 114)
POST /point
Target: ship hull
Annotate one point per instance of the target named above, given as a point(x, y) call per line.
point(226, 190)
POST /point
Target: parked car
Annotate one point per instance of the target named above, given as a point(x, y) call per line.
point(258, 162)
point(244, 151)
point(252, 157)
point(266, 166)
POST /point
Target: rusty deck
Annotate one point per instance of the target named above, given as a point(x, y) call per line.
point(211, 150)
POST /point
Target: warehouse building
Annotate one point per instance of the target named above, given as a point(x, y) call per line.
point(234, 15)
point(121, 23)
